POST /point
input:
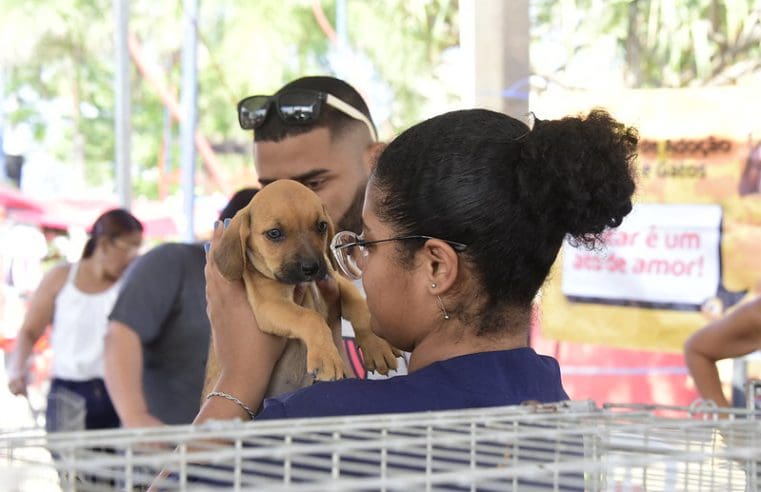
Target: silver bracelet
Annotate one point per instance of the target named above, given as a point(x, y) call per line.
point(234, 400)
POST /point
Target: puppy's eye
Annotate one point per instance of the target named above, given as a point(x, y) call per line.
point(275, 234)
point(322, 226)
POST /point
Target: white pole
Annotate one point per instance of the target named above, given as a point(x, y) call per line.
point(189, 109)
point(494, 39)
point(123, 109)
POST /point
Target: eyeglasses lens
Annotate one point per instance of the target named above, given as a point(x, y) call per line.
point(348, 257)
point(253, 111)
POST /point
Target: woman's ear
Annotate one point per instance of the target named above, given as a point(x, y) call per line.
point(441, 264)
point(102, 242)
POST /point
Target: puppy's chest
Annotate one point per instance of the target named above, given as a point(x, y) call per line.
point(314, 300)
point(290, 372)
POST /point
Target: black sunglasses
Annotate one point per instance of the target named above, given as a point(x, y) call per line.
point(295, 107)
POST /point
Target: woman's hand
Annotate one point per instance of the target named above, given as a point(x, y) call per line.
point(245, 355)
point(17, 381)
point(141, 420)
point(39, 315)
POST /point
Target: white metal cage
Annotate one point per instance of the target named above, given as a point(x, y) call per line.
point(565, 446)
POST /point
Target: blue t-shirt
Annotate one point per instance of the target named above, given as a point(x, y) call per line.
point(486, 379)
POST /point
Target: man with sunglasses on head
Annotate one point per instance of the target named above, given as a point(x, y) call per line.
point(318, 131)
point(315, 130)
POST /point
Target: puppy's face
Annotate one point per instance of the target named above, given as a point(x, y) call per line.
point(283, 233)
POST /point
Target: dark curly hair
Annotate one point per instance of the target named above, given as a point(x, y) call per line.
point(274, 130)
point(509, 193)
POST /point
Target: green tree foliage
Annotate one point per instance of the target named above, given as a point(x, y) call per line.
point(663, 43)
point(59, 72)
point(57, 61)
point(56, 76)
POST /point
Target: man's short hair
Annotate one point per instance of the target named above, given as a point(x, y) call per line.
point(274, 129)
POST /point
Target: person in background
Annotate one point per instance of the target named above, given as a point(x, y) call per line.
point(750, 180)
point(158, 333)
point(464, 214)
point(735, 334)
point(76, 299)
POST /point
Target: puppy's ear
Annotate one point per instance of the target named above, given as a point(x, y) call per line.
point(230, 253)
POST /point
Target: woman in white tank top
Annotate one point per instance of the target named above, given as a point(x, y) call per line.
point(76, 300)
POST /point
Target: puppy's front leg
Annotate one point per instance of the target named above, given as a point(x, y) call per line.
point(284, 318)
point(377, 353)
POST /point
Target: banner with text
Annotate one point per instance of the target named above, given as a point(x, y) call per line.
point(688, 252)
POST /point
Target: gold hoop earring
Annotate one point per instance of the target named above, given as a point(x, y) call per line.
point(443, 309)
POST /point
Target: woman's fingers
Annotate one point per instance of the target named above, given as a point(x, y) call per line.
point(17, 386)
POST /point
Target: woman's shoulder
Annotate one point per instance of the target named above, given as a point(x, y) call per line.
point(58, 274)
point(54, 279)
point(346, 397)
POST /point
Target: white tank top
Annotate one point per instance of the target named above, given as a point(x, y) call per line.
point(79, 327)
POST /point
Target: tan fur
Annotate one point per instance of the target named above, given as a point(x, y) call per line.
point(271, 269)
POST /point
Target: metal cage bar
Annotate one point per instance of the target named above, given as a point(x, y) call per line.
point(568, 446)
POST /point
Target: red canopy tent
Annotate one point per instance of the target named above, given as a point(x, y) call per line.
point(12, 199)
point(64, 213)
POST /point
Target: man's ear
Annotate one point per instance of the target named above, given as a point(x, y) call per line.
point(372, 152)
point(441, 264)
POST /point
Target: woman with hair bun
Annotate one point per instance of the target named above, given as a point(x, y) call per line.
point(76, 299)
point(464, 215)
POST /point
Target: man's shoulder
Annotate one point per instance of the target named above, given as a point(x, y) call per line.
point(176, 248)
point(167, 257)
point(182, 252)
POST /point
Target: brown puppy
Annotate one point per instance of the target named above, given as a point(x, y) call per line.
point(278, 241)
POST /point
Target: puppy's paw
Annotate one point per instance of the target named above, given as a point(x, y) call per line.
point(325, 365)
point(377, 353)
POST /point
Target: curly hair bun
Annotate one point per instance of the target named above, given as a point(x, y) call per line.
point(580, 173)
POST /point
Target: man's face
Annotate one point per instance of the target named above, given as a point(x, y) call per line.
point(335, 170)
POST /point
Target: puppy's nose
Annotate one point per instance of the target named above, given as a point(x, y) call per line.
point(309, 268)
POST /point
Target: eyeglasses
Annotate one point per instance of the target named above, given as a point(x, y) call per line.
point(350, 251)
point(296, 107)
point(126, 246)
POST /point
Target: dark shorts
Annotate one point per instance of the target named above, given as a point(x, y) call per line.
point(68, 400)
